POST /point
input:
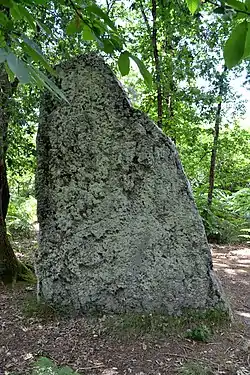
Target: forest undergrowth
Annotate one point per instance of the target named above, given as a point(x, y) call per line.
point(36, 339)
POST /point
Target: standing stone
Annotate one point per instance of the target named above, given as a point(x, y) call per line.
point(119, 229)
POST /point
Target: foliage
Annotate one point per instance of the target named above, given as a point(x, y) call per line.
point(21, 215)
point(189, 48)
point(237, 46)
point(199, 333)
point(24, 273)
point(223, 221)
point(195, 368)
point(45, 366)
point(20, 42)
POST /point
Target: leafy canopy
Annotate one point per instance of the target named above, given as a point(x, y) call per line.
point(237, 47)
point(21, 26)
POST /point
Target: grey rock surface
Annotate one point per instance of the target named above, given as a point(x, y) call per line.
point(119, 229)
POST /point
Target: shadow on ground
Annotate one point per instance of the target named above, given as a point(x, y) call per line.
point(232, 264)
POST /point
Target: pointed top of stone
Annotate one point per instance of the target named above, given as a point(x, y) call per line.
point(119, 227)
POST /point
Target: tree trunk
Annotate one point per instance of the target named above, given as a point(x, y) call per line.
point(157, 65)
point(152, 32)
point(215, 141)
point(8, 260)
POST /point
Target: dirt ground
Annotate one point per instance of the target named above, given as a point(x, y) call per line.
point(79, 342)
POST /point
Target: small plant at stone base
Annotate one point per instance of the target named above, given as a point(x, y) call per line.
point(200, 333)
point(45, 366)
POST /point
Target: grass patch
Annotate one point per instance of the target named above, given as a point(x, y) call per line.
point(45, 366)
point(42, 310)
point(193, 324)
point(195, 368)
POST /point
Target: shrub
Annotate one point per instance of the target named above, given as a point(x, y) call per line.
point(21, 216)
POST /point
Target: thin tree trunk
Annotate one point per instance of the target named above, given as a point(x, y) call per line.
point(156, 59)
point(157, 65)
point(215, 141)
point(8, 260)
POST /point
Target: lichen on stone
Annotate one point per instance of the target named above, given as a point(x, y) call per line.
point(119, 227)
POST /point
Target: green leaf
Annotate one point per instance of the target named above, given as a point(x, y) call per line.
point(19, 68)
point(235, 45)
point(11, 75)
point(3, 55)
point(124, 63)
point(14, 11)
point(42, 80)
point(45, 28)
point(45, 362)
point(3, 19)
point(108, 46)
point(247, 43)
point(236, 4)
point(7, 3)
point(99, 12)
point(117, 42)
point(193, 5)
point(87, 33)
point(27, 16)
point(143, 70)
point(247, 4)
point(74, 26)
point(36, 54)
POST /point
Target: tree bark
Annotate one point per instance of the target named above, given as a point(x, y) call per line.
point(8, 260)
point(216, 139)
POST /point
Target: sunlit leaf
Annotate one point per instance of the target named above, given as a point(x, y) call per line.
point(193, 5)
point(235, 45)
point(74, 26)
point(87, 33)
point(124, 63)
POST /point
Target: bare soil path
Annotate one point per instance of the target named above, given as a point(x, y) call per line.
point(84, 344)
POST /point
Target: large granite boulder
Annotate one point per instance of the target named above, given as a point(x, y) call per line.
point(119, 229)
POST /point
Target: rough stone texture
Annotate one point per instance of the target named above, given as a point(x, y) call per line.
point(119, 227)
